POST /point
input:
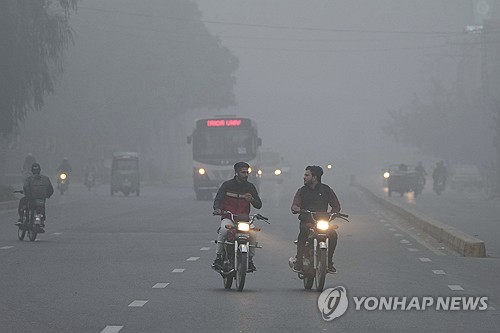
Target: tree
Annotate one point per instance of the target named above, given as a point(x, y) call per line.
point(34, 35)
point(452, 127)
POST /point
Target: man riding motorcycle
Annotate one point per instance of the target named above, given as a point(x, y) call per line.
point(314, 196)
point(440, 173)
point(235, 195)
point(36, 187)
point(64, 167)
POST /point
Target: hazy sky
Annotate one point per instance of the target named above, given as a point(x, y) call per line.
point(318, 76)
point(321, 75)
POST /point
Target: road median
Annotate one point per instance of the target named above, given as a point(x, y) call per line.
point(461, 242)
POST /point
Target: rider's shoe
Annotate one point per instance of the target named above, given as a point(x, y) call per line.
point(298, 266)
point(217, 263)
point(42, 224)
point(331, 268)
point(251, 266)
point(18, 223)
point(41, 230)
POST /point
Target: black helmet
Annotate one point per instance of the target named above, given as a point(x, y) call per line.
point(238, 166)
point(35, 168)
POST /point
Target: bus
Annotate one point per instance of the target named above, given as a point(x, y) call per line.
point(218, 143)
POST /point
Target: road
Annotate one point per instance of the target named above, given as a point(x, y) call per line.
point(142, 264)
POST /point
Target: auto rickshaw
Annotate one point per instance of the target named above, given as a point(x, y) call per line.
point(404, 179)
point(125, 173)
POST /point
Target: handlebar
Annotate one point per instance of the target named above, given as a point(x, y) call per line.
point(332, 215)
point(251, 216)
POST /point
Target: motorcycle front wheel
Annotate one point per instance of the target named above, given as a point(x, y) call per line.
point(241, 270)
point(321, 270)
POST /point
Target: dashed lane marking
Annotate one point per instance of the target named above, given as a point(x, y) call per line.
point(178, 270)
point(192, 258)
point(137, 304)
point(112, 329)
point(57, 233)
point(455, 287)
point(6, 247)
point(438, 271)
point(204, 249)
point(160, 285)
point(404, 241)
point(412, 249)
point(398, 235)
point(425, 259)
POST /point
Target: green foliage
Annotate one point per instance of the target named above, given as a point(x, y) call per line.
point(34, 36)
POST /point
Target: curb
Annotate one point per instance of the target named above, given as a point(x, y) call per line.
point(463, 243)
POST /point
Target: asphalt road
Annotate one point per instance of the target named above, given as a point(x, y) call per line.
point(142, 264)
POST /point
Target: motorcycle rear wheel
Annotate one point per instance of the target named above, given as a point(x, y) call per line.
point(32, 232)
point(241, 270)
point(21, 232)
point(308, 281)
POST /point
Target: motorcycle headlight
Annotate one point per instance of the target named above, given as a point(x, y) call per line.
point(62, 176)
point(249, 170)
point(277, 172)
point(386, 174)
point(259, 172)
point(243, 226)
point(201, 171)
point(322, 225)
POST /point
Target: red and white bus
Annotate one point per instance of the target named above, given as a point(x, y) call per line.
point(218, 143)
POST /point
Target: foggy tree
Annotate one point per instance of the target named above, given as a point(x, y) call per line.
point(452, 127)
point(34, 35)
point(135, 70)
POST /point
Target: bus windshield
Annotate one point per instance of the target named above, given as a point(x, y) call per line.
point(224, 143)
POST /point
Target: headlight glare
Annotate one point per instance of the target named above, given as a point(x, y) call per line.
point(243, 226)
point(322, 225)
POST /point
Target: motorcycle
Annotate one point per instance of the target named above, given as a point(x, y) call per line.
point(315, 260)
point(62, 182)
point(89, 180)
point(31, 219)
point(439, 185)
point(236, 248)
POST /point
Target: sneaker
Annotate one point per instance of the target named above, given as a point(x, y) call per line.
point(18, 223)
point(217, 263)
point(331, 268)
point(251, 266)
point(298, 266)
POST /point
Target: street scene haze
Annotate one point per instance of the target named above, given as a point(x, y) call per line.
point(370, 136)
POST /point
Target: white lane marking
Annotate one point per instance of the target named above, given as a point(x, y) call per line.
point(424, 259)
point(204, 249)
point(161, 285)
point(178, 270)
point(388, 225)
point(411, 249)
point(392, 229)
point(112, 329)
point(404, 241)
point(57, 233)
point(6, 247)
point(398, 235)
point(455, 287)
point(137, 303)
point(192, 258)
point(438, 271)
